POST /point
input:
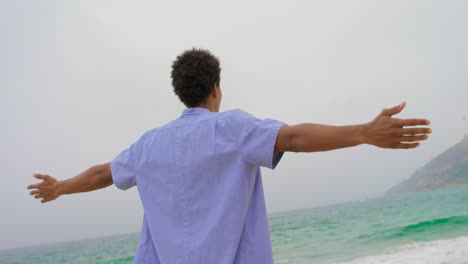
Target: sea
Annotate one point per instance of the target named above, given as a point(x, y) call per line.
point(429, 228)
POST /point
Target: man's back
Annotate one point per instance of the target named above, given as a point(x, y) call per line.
point(200, 185)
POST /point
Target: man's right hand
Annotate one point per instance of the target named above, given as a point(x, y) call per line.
point(387, 132)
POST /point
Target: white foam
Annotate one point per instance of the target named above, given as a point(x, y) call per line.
point(450, 251)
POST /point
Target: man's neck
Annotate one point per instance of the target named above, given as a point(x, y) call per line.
point(208, 105)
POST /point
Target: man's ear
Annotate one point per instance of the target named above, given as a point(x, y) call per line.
point(216, 92)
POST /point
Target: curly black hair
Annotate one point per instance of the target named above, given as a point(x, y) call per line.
point(194, 74)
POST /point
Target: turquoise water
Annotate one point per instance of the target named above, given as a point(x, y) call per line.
point(344, 232)
point(320, 235)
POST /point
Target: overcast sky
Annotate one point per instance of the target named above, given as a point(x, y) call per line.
point(81, 80)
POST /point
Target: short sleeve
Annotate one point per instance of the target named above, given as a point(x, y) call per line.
point(257, 140)
point(125, 165)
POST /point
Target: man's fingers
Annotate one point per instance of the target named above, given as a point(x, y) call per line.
point(37, 185)
point(35, 192)
point(45, 200)
point(406, 146)
point(413, 131)
point(33, 186)
point(394, 110)
point(41, 176)
point(411, 122)
point(43, 196)
point(412, 138)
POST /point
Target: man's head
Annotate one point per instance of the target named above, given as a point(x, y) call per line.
point(195, 78)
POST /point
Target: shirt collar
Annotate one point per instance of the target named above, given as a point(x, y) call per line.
point(195, 111)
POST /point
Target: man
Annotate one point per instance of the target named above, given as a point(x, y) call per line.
point(199, 176)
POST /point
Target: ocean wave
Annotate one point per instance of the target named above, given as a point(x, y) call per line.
point(434, 225)
point(449, 251)
point(124, 260)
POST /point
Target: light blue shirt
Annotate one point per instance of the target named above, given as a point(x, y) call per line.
point(200, 184)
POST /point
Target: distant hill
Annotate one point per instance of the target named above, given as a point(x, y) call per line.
point(448, 169)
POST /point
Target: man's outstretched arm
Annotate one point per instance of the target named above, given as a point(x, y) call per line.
point(96, 177)
point(384, 131)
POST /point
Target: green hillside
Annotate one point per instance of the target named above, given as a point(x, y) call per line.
point(448, 169)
